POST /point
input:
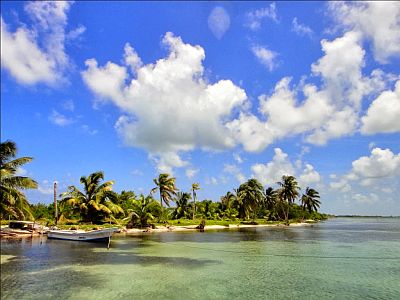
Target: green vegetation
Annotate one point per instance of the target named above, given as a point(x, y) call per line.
point(96, 204)
point(13, 203)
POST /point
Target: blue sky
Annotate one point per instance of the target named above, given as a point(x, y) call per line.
point(211, 92)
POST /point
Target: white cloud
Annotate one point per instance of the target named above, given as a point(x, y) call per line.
point(235, 171)
point(37, 54)
point(168, 106)
point(45, 188)
point(219, 22)
point(383, 115)
point(211, 181)
point(301, 29)
point(377, 21)
point(166, 161)
point(327, 111)
point(280, 165)
point(309, 176)
point(191, 172)
point(59, 119)
point(254, 18)
point(381, 163)
point(88, 130)
point(366, 199)
point(265, 57)
point(272, 172)
point(237, 158)
point(370, 171)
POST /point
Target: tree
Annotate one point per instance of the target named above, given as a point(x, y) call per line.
point(143, 210)
point(95, 202)
point(166, 186)
point(13, 201)
point(250, 195)
point(288, 192)
point(195, 187)
point(182, 206)
point(309, 200)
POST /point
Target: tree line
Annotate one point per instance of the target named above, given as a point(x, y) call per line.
point(95, 202)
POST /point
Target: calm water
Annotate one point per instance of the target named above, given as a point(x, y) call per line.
point(344, 258)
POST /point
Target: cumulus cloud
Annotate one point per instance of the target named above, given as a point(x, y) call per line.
point(301, 29)
point(280, 165)
point(169, 107)
point(383, 116)
point(36, 54)
point(255, 18)
point(367, 171)
point(377, 21)
point(219, 21)
point(328, 110)
point(265, 56)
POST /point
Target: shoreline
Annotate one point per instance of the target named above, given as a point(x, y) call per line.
point(183, 228)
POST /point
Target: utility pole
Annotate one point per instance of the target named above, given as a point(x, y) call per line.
point(55, 201)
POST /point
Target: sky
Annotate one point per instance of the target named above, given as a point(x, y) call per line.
point(210, 92)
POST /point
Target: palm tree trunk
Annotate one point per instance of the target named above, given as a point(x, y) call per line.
point(194, 205)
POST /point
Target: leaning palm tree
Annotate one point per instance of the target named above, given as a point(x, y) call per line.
point(94, 203)
point(13, 201)
point(166, 186)
point(182, 206)
point(195, 187)
point(288, 192)
point(250, 195)
point(309, 200)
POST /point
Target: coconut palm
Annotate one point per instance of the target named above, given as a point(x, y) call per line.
point(288, 192)
point(182, 205)
point(250, 195)
point(228, 200)
point(94, 203)
point(166, 186)
point(195, 187)
point(270, 198)
point(13, 201)
point(143, 210)
point(309, 200)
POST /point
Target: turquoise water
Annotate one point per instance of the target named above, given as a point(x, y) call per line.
point(343, 258)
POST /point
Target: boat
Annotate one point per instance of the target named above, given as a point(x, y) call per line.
point(101, 235)
point(22, 227)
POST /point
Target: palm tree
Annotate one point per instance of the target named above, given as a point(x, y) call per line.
point(270, 198)
point(250, 195)
point(195, 187)
point(95, 202)
point(182, 205)
point(228, 200)
point(13, 201)
point(288, 192)
point(309, 200)
point(143, 210)
point(166, 186)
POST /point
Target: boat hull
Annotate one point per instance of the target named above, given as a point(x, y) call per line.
point(81, 236)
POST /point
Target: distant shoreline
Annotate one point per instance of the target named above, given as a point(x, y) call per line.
point(360, 216)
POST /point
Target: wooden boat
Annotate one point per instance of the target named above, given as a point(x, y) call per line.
point(21, 228)
point(101, 235)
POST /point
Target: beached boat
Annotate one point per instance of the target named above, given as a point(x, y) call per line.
point(21, 228)
point(101, 235)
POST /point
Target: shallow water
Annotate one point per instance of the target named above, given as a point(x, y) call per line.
point(343, 258)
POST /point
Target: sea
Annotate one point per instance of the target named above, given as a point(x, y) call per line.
point(341, 258)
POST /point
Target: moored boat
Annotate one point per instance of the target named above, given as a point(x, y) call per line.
point(101, 235)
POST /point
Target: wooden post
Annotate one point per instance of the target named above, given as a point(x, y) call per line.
point(55, 201)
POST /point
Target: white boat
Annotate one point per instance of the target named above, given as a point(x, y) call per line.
point(101, 235)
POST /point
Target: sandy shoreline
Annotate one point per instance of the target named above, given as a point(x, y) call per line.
point(188, 228)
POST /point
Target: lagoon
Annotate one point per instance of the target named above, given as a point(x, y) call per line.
point(342, 258)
